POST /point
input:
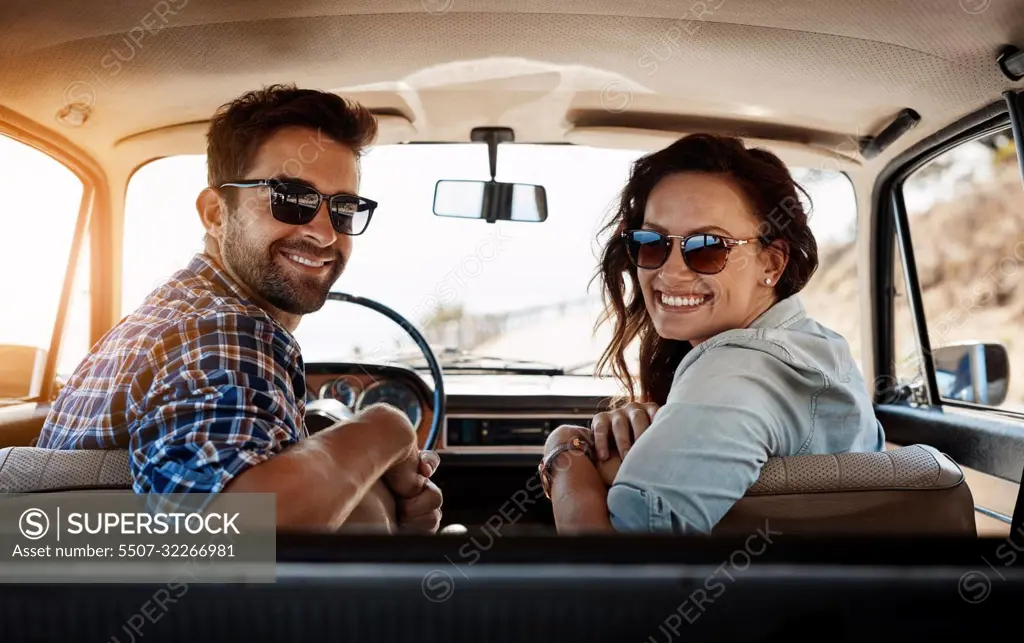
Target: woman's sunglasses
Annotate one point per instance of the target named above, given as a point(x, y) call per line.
point(703, 253)
point(297, 204)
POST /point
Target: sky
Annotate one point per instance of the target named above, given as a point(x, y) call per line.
point(408, 259)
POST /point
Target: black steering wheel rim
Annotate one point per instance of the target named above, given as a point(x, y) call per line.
point(421, 342)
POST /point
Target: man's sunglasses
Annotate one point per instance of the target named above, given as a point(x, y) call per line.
point(297, 204)
point(703, 253)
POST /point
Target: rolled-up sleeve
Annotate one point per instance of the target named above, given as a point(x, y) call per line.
point(707, 444)
point(634, 509)
point(221, 403)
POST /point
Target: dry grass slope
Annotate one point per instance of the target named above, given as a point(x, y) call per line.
point(970, 258)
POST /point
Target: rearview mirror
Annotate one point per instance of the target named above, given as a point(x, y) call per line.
point(490, 200)
point(975, 372)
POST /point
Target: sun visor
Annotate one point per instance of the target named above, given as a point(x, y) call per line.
point(190, 138)
point(833, 157)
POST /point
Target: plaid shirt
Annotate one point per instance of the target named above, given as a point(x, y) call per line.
point(198, 383)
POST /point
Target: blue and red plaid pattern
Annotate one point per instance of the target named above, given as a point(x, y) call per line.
point(198, 383)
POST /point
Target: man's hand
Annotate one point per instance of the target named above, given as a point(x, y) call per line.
point(403, 476)
point(376, 512)
point(322, 480)
point(418, 500)
point(421, 513)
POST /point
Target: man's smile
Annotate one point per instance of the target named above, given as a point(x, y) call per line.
point(306, 263)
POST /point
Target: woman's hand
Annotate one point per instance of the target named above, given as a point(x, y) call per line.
point(618, 429)
point(607, 468)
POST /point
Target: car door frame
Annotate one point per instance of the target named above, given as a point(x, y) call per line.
point(17, 417)
point(985, 439)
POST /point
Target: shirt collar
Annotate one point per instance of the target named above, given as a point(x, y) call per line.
point(782, 314)
point(204, 266)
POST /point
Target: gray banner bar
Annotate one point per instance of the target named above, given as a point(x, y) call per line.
point(123, 537)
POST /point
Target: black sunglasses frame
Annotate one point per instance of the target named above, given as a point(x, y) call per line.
point(729, 243)
point(363, 203)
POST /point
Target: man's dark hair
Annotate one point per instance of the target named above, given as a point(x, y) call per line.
point(240, 127)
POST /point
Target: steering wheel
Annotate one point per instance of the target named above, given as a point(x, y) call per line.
point(435, 368)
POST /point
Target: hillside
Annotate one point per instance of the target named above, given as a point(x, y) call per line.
point(969, 250)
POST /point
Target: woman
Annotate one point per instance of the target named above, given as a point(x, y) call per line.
point(713, 240)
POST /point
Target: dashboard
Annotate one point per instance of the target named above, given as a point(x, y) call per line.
point(358, 386)
point(358, 392)
point(494, 413)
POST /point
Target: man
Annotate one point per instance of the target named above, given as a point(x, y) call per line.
point(204, 382)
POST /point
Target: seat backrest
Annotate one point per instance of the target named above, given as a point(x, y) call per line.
point(28, 469)
point(32, 469)
point(911, 490)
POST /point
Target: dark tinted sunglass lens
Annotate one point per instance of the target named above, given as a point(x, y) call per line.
point(292, 203)
point(705, 253)
point(647, 249)
point(349, 215)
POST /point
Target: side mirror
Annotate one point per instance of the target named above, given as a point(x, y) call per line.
point(976, 372)
point(490, 200)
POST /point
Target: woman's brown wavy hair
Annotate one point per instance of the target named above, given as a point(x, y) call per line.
point(770, 187)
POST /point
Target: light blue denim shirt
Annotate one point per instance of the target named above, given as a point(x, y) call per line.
point(786, 385)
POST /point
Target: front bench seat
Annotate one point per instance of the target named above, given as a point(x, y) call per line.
point(31, 469)
point(912, 490)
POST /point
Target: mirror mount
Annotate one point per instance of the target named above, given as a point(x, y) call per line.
point(497, 196)
point(497, 199)
point(491, 200)
point(493, 136)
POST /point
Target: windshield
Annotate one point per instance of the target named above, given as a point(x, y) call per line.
point(517, 290)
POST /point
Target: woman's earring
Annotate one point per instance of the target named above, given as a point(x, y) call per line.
point(768, 281)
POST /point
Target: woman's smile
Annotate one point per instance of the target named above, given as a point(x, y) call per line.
point(675, 303)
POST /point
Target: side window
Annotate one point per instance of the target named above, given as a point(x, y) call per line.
point(966, 221)
point(33, 262)
point(831, 296)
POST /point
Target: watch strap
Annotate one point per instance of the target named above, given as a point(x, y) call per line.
point(575, 444)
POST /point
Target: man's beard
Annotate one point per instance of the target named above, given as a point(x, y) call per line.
point(260, 271)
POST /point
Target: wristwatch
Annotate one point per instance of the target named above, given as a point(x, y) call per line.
point(545, 466)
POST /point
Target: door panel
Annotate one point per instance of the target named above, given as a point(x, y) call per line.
point(981, 445)
point(991, 495)
point(20, 424)
point(984, 442)
point(945, 318)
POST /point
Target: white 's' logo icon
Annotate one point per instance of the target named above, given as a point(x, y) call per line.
point(34, 524)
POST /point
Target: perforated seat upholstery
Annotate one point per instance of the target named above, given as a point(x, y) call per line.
point(909, 490)
point(28, 469)
point(31, 469)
